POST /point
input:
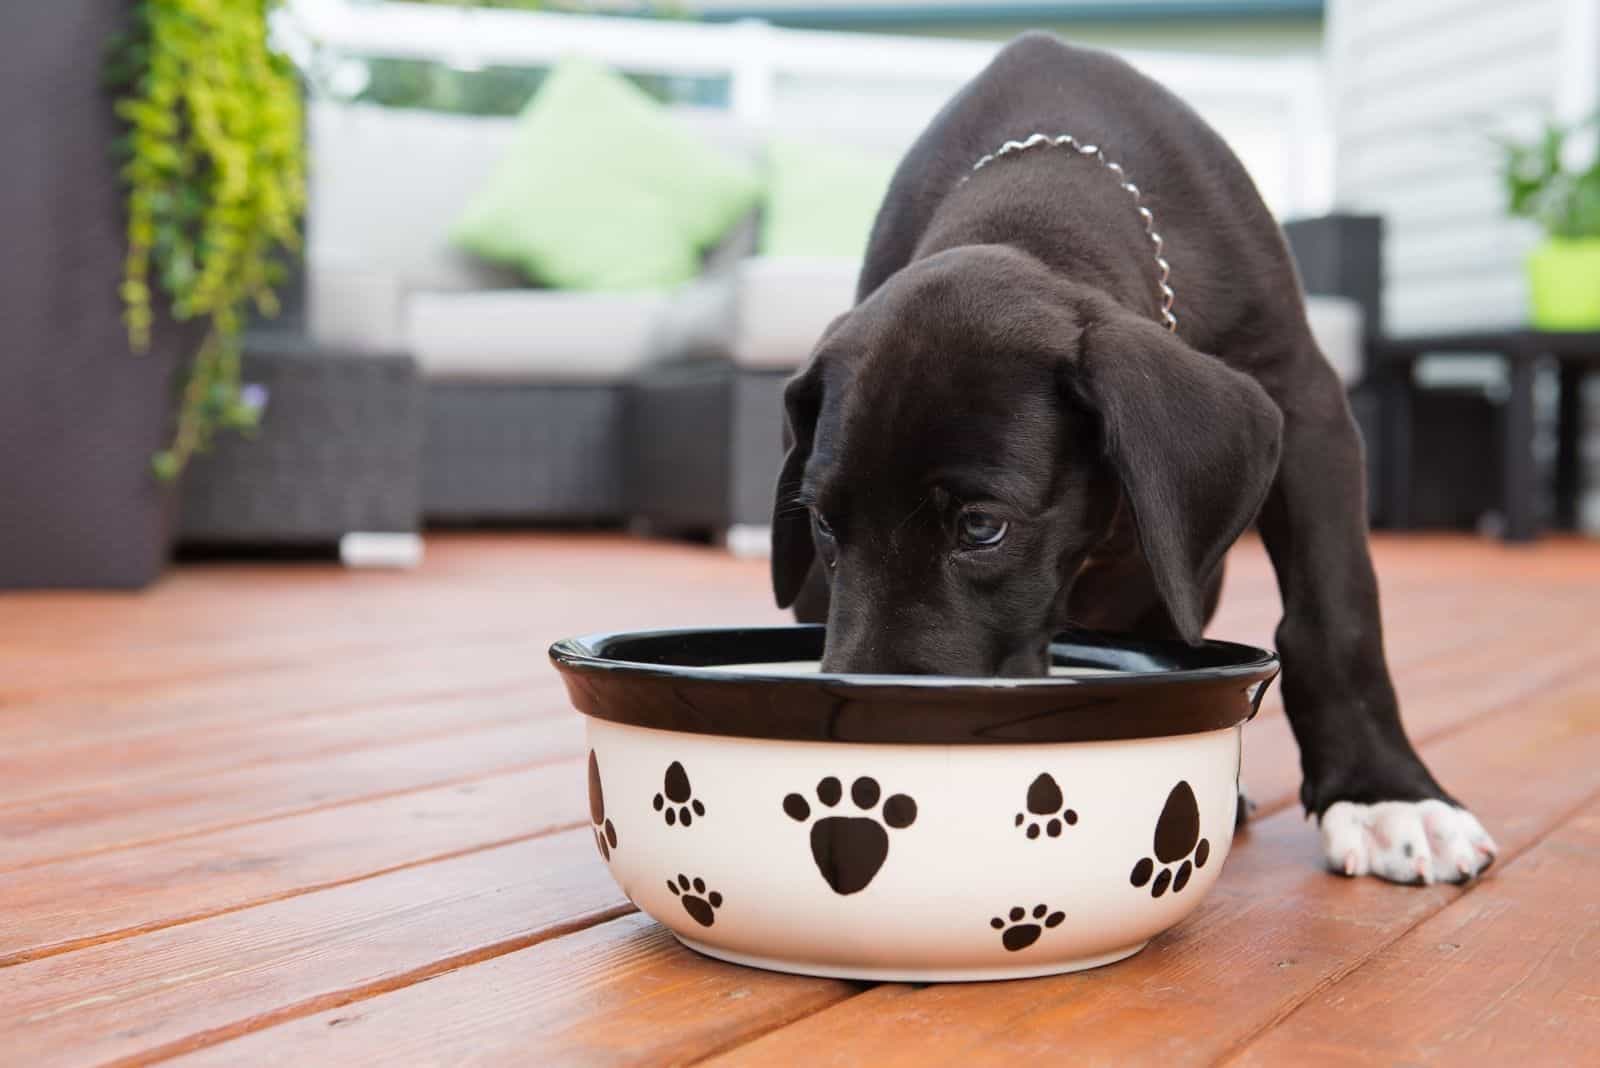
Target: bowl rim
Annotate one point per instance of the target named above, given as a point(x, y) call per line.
point(1212, 693)
point(584, 653)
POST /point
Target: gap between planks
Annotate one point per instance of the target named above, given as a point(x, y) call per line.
point(1507, 860)
point(1455, 985)
point(477, 774)
point(340, 999)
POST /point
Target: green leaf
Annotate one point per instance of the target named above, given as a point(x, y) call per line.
point(215, 180)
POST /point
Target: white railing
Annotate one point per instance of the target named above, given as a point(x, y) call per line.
point(1271, 109)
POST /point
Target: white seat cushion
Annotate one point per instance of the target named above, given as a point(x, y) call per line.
point(697, 323)
point(782, 304)
point(1339, 327)
point(539, 334)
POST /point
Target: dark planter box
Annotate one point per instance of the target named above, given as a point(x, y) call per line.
point(339, 450)
point(80, 415)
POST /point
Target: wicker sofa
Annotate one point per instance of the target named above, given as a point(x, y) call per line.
point(530, 394)
point(536, 405)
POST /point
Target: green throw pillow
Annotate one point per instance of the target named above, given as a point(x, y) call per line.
point(603, 189)
point(821, 200)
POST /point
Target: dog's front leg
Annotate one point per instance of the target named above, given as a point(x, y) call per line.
point(1381, 811)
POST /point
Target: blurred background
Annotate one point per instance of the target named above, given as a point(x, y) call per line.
point(323, 275)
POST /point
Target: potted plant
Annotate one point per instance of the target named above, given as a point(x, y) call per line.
point(140, 221)
point(1542, 185)
point(215, 186)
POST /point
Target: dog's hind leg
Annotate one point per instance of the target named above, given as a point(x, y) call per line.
point(1380, 809)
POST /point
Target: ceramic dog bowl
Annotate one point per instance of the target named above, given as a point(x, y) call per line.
point(915, 828)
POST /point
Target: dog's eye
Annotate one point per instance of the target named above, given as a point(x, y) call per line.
point(822, 526)
point(982, 529)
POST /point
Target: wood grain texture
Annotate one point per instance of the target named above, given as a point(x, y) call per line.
point(471, 586)
point(121, 761)
point(77, 824)
point(142, 998)
point(1440, 694)
point(623, 993)
point(1510, 974)
point(239, 699)
point(109, 895)
point(244, 816)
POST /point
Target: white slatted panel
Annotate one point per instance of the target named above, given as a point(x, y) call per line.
point(1415, 87)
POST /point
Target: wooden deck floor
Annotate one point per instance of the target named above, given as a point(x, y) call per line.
point(287, 814)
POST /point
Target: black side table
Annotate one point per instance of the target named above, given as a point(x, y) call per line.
point(1394, 360)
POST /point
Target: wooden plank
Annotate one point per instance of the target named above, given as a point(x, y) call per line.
point(29, 728)
point(1507, 974)
point(254, 647)
point(123, 762)
point(161, 810)
point(1437, 644)
point(74, 903)
point(55, 643)
point(621, 993)
point(271, 956)
point(1274, 931)
point(105, 881)
point(1437, 695)
point(1452, 658)
point(155, 995)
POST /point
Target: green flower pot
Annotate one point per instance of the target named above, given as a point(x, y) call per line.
point(1564, 284)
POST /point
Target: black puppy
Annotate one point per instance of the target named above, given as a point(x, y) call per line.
point(1017, 427)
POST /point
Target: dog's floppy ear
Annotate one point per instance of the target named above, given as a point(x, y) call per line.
point(792, 547)
point(1194, 443)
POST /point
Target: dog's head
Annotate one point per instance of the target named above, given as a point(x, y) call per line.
point(961, 441)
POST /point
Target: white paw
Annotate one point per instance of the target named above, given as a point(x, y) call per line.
point(1406, 841)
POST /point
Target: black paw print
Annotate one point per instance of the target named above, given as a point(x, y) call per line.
point(679, 807)
point(699, 904)
point(1177, 835)
point(849, 850)
point(1019, 931)
point(1045, 809)
point(605, 833)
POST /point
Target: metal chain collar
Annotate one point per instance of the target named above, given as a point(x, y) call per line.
point(1164, 269)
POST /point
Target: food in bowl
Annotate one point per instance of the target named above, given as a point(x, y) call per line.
point(914, 828)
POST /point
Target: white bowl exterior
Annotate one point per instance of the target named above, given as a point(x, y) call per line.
point(926, 914)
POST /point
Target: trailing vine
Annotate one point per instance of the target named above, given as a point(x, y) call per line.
point(215, 178)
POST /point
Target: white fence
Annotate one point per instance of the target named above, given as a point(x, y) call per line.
point(845, 84)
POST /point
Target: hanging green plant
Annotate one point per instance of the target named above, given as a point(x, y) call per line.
point(215, 177)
